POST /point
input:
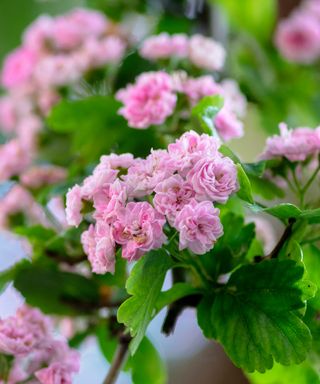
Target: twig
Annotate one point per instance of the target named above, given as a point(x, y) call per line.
point(175, 309)
point(119, 359)
point(66, 259)
point(286, 234)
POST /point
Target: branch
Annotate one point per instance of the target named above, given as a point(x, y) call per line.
point(175, 309)
point(286, 234)
point(66, 259)
point(119, 359)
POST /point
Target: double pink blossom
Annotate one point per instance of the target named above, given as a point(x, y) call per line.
point(296, 144)
point(165, 46)
point(213, 179)
point(201, 51)
point(18, 67)
point(149, 101)
point(199, 226)
point(28, 338)
point(138, 229)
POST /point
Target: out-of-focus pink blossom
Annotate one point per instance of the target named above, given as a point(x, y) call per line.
point(213, 179)
point(228, 125)
point(298, 38)
point(8, 116)
point(206, 53)
point(296, 144)
point(57, 70)
point(18, 67)
point(40, 175)
point(14, 158)
point(19, 200)
point(138, 229)
point(197, 88)
point(164, 46)
point(199, 226)
point(149, 101)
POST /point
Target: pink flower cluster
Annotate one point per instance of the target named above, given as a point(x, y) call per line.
point(177, 186)
point(152, 99)
point(201, 51)
point(55, 52)
point(298, 36)
point(296, 144)
point(27, 337)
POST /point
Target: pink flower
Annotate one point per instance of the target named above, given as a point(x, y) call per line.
point(38, 33)
point(57, 70)
point(90, 22)
point(38, 176)
point(228, 125)
point(191, 147)
point(14, 158)
point(213, 179)
point(19, 200)
point(144, 175)
point(56, 373)
point(74, 206)
point(97, 53)
point(233, 98)
point(18, 67)
point(197, 88)
point(99, 245)
point(206, 53)
point(149, 101)
point(114, 161)
point(66, 34)
point(298, 38)
point(164, 46)
point(8, 115)
point(138, 229)
point(23, 332)
point(108, 202)
point(199, 226)
point(295, 145)
point(172, 195)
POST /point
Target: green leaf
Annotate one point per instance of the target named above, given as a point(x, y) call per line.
point(265, 188)
point(147, 366)
point(282, 211)
point(255, 169)
point(206, 110)
point(107, 342)
point(54, 291)
point(204, 317)
point(245, 191)
point(312, 263)
point(255, 317)
point(96, 128)
point(295, 374)
point(144, 284)
point(176, 292)
point(8, 275)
